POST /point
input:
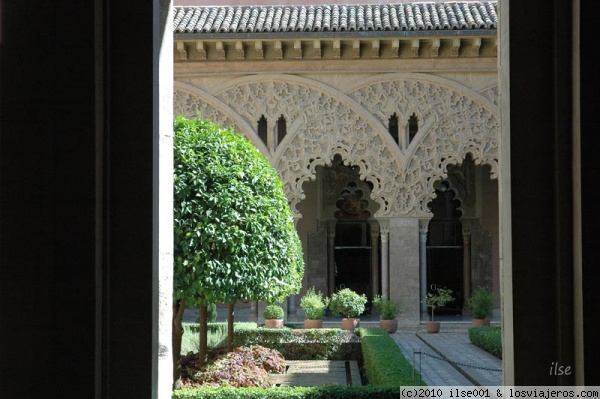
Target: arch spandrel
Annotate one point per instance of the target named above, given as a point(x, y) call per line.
point(456, 122)
point(188, 100)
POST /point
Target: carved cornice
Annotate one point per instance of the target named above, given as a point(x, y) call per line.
point(236, 49)
point(325, 122)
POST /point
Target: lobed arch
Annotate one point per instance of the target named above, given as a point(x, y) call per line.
point(324, 122)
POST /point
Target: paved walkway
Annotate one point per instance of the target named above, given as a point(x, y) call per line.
point(450, 359)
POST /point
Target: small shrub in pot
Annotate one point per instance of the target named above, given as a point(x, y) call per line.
point(348, 304)
point(273, 311)
point(314, 304)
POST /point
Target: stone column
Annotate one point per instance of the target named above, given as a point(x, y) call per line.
point(374, 260)
point(385, 262)
point(331, 256)
point(466, 267)
point(423, 264)
point(404, 268)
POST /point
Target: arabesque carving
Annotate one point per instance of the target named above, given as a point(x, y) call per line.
point(324, 122)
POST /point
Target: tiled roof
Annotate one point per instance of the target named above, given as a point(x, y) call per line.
point(466, 15)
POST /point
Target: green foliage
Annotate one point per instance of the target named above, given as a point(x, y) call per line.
point(216, 335)
point(273, 311)
point(269, 337)
point(317, 392)
point(301, 344)
point(314, 304)
point(481, 302)
point(385, 364)
point(387, 308)
point(347, 303)
point(439, 297)
point(234, 230)
point(488, 338)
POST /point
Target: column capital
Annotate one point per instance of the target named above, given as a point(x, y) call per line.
point(385, 232)
point(424, 223)
point(466, 236)
point(374, 232)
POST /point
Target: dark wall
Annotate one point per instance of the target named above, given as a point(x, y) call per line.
point(47, 186)
point(590, 176)
point(540, 103)
point(63, 137)
point(542, 204)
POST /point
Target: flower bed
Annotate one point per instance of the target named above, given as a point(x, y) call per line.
point(244, 367)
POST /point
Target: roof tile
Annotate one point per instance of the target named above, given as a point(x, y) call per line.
point(450, 15)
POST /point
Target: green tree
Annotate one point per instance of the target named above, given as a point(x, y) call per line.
point(234, 231)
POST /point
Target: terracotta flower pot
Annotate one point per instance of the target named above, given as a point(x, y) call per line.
point(391, 326)
point(432, 327)
point(480, 322)
point(350, 323)
point(274, 323)
point(313, 323)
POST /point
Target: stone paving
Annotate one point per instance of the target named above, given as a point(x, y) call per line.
point(478, 366)
point(318, 372)
point(434, 372)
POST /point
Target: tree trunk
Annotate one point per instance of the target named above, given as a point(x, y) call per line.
point(203, 334)
point(230, 314)
point(178, 308)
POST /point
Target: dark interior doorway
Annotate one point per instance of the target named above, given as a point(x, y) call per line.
point(445, 247)
point(353, 256)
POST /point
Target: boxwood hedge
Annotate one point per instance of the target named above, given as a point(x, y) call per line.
point(318, 392)
point(488, 338)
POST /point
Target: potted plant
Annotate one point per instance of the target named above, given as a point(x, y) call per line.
point(480, 304)
point(438, 297)
point(273, 315)
point(314, 304)
point(349, 305)
point(388, 311)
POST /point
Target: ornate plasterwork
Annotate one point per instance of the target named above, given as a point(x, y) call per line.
point(323, 122)
point(491, 94)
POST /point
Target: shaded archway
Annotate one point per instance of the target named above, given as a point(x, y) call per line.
point(463, 235)
point(445, 246)
point(338, 230)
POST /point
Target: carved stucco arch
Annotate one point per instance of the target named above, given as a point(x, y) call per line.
point(324, 122)
point(454, 121)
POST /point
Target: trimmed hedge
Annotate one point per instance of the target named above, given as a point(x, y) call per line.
point(385, 364)
point(324, 343)
point(488, 338)
point(319, 392)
